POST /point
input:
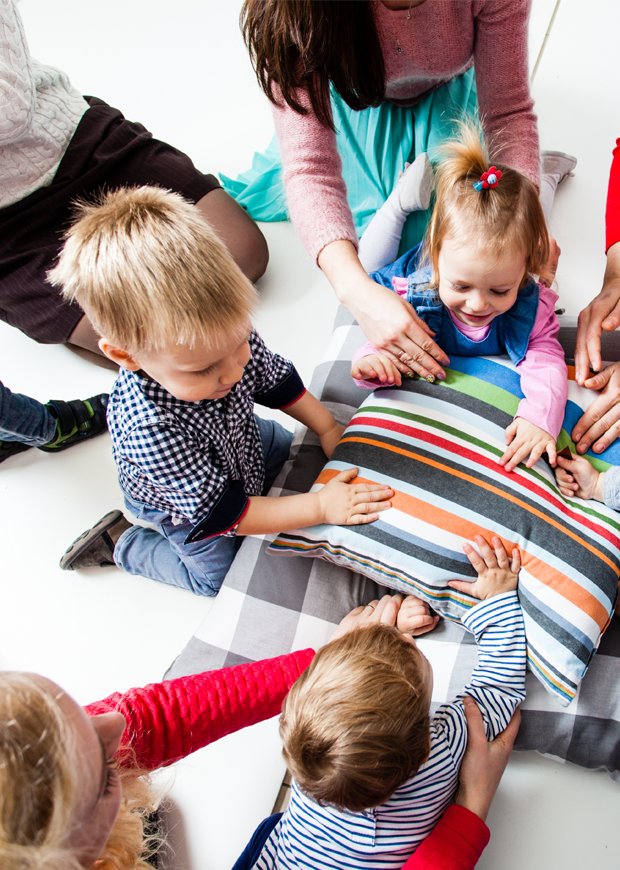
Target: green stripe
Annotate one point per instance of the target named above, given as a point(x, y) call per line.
point(458, 433)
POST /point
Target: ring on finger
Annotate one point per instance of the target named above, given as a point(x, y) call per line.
point(371, 605)
point(402, 356)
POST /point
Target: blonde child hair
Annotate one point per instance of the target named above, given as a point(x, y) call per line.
point(356, 724)
point(39, 784)
point(508, 217)
point(150, 273)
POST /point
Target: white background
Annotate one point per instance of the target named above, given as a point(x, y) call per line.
point(181, 68)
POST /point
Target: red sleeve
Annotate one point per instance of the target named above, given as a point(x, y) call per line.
point(612, 214)
point(167, 721)
point(456, 843)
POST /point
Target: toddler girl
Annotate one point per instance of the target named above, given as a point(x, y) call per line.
point(471, 281)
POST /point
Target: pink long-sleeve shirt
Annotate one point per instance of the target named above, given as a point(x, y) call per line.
point(442, 39)
point(543, 370)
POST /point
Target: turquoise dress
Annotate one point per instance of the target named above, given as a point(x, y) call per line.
point(374, 145)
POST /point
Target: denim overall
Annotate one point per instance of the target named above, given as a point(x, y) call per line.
point(509, 332)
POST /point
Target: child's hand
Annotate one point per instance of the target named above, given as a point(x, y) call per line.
point(376, 367)
point(577, 477)
point(415, 617)
point(330, 439)
point(345, 504)
point(524, 437)
point(496, 572)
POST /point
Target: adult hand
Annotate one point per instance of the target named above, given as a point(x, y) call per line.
point(387, 320)
point(603, 313)
point(484, 762)
point(384, 612)
point(600, 425)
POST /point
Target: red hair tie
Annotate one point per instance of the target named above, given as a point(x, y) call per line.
point(488, 178)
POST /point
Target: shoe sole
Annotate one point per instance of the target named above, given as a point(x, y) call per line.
point(426, 184)
point(565, 156)
point(82, 542)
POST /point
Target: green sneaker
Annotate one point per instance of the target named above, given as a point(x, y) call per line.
point(76, 421)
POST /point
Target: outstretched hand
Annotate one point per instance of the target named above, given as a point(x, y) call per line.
point(603, 313)
point(600, 425)
point(349, 504)
point(496, 572)
point(526, 439)
point(410, 615)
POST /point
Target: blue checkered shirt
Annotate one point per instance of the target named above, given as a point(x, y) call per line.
point(197, 461)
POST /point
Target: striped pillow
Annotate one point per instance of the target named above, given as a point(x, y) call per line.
point(437, 446)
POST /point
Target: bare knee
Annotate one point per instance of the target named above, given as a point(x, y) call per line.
point(240, 234)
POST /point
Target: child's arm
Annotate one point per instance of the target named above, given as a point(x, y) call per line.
point(338, 503)
point(544, 384)
point(497, 683)
point(308, 411)
point(577, 477)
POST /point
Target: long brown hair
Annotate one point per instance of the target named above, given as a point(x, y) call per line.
point(312, 44)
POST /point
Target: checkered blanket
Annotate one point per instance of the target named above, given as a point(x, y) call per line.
point(270, 605)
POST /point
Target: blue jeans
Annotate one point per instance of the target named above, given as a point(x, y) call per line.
point(161, 553)
point(24, 419)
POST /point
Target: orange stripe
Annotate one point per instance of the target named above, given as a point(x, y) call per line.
point(493, 489)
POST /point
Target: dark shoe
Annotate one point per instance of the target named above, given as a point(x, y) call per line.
point(95, 546)
point(77, 421)
point(10, 448)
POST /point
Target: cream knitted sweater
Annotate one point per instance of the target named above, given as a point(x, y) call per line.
point(441, 39)
point(39, 113)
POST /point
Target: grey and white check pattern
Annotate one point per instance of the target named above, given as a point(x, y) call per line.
point(271, 605)
point(179, 456)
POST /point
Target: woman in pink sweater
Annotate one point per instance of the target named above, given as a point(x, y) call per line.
point(74, 782)
point(377, 83)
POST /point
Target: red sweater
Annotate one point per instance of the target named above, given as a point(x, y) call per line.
point(612, 215)
point(167, 721)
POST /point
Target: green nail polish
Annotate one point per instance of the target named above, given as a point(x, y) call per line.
point(409, 374)
point(430, 379)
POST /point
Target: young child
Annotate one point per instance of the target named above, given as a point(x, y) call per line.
point(472, 283)
point(372, 771)
point(173, 310)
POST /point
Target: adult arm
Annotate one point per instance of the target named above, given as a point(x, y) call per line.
point(502, 82)
point(167, 721)
point(604, 311)
point(461, 835)
point(543, 370)
point(312, 173)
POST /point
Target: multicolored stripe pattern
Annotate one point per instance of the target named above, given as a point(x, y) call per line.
point(437, 446)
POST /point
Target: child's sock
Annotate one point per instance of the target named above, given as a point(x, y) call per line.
point(556, 166)
point(379, 244)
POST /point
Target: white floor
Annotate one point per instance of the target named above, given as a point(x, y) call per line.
point(181, 69)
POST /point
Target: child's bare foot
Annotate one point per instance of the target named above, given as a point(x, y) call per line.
point(415, 617)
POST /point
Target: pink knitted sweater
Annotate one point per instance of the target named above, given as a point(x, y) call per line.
point(442, 39)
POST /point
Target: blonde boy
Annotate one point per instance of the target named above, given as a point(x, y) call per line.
point(174, 311)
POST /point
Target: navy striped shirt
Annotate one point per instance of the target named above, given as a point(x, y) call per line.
point(310, 836)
